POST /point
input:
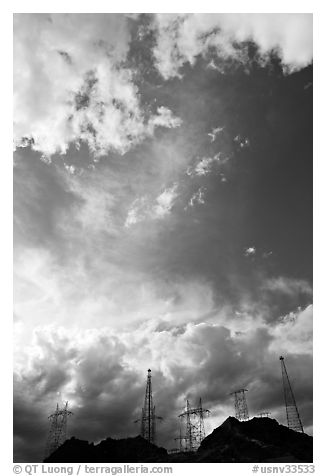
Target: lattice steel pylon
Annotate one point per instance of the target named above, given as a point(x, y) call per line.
point(240, 404)
point(148, 418)
point(58, 429)
point(292, 413)
point(195, 428)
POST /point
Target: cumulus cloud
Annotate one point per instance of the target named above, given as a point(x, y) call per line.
point(204, 166)
point(102, 374)
point(182, 38)
point(164, 118)
point(70, 85)
point(293, 333)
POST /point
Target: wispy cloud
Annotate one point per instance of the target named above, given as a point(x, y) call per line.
point(287, 286)
point(243, 142)
point(165, 201)
point(215, 132)
point(197, 198)
point(143, 208)
point(137, 211)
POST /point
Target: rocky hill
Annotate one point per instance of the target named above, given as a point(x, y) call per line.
point(128, 450)
point(256, 440)
point(253, 441)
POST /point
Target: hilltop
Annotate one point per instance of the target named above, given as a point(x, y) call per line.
point(256, 440)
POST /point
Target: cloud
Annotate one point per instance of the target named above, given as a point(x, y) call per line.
point(102, 374)
point(142, 208)
point(206, 164)
point(70, 85)
point(215, 132)
point(136, 211)
point(182, 38)
point(243, 142)
point(294, 332)
point(106, 253)
point(197, 197)
point(96, 198)
point(287, 286)
point(164, 118)
point(165, 201)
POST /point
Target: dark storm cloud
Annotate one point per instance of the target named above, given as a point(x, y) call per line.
point(30, 430)
point(108, 375)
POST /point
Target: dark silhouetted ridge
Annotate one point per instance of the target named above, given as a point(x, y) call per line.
point(128, 450)
point(253, 441)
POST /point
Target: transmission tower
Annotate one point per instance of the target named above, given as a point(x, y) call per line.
point(58, 429)
point(292, 412)
point(195, 429)
point(240, 404)
point(148, 418)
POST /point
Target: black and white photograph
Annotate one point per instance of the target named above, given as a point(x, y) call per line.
point(163, 239)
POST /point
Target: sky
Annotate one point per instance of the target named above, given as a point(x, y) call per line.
point(162, 218)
